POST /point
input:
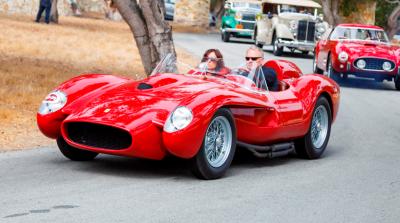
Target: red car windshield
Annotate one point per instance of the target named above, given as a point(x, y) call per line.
point(350, 33)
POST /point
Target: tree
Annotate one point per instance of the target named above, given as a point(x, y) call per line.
point(54, 11)
point(393, 19)
point(331, 11)
point(152, 34)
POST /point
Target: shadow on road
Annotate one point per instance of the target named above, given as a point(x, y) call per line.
point(363, 83)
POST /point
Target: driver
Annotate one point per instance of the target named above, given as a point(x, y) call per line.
point(255, 58)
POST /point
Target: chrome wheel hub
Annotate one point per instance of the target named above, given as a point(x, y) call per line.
point(319, 127)
point(218, 141)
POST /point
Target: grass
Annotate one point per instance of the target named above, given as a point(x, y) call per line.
point(35, 58)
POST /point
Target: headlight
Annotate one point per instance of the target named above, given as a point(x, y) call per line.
point(53, 102)
point(238, 16)
point(361, 64)
point(321, 29)
point(387, 66)
point(343, 57)
point(178, 119)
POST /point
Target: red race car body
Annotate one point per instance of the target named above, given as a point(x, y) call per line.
point(359, 50)
point(107, 114)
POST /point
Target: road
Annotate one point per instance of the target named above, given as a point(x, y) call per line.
point(356, 180)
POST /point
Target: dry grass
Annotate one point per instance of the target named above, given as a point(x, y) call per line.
point(34, 58)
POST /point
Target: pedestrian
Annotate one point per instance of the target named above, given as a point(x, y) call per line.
point(45, 5)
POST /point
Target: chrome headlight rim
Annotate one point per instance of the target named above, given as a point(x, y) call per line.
point(53, 102)
point(343, 57)
point(387, 66)
point(178, 119)
point(361, 64)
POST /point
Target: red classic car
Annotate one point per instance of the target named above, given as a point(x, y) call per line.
point(199, 115)
point(360, 50)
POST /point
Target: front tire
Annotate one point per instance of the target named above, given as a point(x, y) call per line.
point(331, 73)
point(218, 148)
point(397, 82)
point(314, 143)
point(73, 153)
point(278, 51)
point(225, 36)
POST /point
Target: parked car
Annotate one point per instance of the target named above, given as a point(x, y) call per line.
point(291, 23)
point(199, 115)
point(239, 19)
point(359, 50)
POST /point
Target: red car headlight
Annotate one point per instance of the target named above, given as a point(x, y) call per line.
point(343, 57)
point(53, 102)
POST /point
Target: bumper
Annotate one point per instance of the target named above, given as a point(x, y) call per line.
point(239, 32)
point(348, 68)
point(304, 46)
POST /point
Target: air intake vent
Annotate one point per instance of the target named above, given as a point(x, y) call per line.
point(98, 136)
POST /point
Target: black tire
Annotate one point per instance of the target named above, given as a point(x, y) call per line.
point(73, 153)
point(330, 71)
point(278, 51)
point(315, 67)
point(304, 146)
point(397, 82)
point(200, 164)
point(225, 36)
point(305, 53)
point(258, 44)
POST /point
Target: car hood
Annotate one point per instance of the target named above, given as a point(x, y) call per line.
point(150, 99)
point(368, 49)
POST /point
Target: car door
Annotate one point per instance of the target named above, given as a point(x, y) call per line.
point(323, 49)
point(288, 106)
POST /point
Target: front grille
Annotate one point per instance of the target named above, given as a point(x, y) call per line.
point(249, 17)
point(248, 25)
point(306, 31)
point(374, 63)
point(98, 136)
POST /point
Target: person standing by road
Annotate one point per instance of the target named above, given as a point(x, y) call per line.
point(45, 5)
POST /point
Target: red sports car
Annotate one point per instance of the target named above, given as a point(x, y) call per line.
point(199, 115)
point(360, 50)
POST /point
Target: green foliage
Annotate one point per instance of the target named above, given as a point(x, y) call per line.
point(383, 11)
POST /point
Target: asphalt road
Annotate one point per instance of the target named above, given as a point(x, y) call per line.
point(357, 179)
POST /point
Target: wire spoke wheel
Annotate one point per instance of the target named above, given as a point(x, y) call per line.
point(218, 141)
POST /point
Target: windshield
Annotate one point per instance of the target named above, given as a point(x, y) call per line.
point(359, 34)
point(246, 5)
point(251, 79)
point(296, 9)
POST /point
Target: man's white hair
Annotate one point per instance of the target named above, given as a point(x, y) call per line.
point(255, 48)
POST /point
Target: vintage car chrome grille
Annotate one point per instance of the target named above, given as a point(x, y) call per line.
point(98, 136)
point(249, 17)
point(306, 31)
point(248, 25)
point(374, 64)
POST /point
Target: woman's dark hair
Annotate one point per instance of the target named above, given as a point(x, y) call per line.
point(220, 61)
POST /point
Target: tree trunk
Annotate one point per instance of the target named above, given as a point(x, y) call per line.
point(393, 27)
point(330, 9)
point(54, 11)
point(152, 34)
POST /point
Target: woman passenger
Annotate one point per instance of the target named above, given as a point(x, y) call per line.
point(215, 62)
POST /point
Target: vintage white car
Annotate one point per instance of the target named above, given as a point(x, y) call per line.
point(293, 24)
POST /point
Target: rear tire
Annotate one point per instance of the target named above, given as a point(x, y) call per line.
point(73, 153)
point(218, 148)
point(314, 143)
point(315, 66)
point(225, 36)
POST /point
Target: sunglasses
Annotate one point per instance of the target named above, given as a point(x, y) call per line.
point(214, 59)
point(252, 58)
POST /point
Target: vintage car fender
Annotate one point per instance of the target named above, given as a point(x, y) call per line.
point(76, 89)
point(283, 32)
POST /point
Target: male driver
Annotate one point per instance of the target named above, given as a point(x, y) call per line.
point(44, 5)
point(255, 58)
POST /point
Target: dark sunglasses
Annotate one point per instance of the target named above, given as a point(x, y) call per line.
point(252, 58)
point(212, 59)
